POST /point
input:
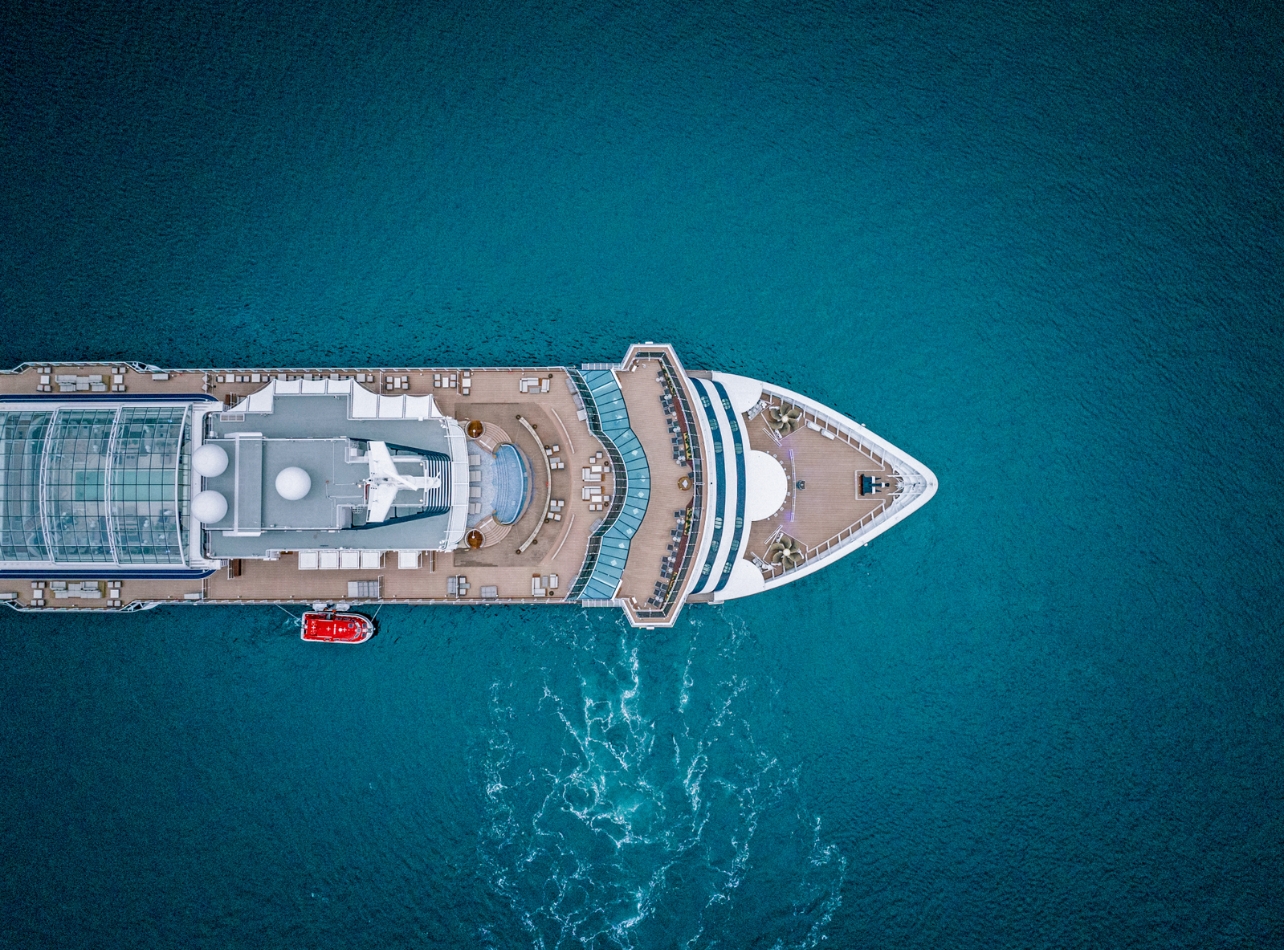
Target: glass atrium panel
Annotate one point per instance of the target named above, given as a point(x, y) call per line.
point(22, 445)
point(634, 482)
point(75, 485)
point(143, 497)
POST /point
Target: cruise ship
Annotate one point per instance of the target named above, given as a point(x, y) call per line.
point(638, 485)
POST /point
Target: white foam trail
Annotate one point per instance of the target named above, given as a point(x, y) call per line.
point(599, 837)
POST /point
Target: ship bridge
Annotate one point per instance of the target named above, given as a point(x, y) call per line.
point(745, 485)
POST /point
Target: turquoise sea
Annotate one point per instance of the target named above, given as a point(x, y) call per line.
point(1037, 245)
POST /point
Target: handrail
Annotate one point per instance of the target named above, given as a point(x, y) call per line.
point(179, 501)
point(839, 430)
point(835, 541)
point(141, 367)
point(135, 365)
point(42, 494)
point(108, 467)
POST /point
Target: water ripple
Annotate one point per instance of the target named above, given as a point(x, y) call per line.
point(628, 800)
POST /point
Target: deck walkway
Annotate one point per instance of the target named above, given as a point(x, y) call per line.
point(828, 469)
point(650, 546)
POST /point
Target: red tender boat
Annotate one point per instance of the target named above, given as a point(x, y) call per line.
point(331, 627)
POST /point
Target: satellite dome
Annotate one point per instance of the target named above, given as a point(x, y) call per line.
point(210, 460)
point(293, 483)
point(209, 507)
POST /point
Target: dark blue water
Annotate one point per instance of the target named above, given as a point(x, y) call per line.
point(1036, 245)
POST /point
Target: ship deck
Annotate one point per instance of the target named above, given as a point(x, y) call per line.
point(824, 503)
point(837, 485)
point(498, 572)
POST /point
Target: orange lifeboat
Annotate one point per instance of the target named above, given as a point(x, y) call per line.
point(330, 627)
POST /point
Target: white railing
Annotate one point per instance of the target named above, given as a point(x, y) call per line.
point(913, 484)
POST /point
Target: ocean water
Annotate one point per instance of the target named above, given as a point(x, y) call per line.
point(1036, 245)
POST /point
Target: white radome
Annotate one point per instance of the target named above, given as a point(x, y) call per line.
point(209, 507)
point(293, 483)
point(210, 461)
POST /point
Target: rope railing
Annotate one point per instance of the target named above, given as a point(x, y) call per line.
point(867, 520)
point(838, 429)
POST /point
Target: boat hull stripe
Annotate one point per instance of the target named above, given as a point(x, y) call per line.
point(737, 436)
point(707, 575)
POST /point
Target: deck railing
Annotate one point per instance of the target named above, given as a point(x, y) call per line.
point(910, 487)
point(691, 525)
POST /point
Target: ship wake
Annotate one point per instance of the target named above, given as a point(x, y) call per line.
point(630, 804)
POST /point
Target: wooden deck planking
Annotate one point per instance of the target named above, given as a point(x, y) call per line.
point(828, 505)
point(559, 548)
point(650, 425)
